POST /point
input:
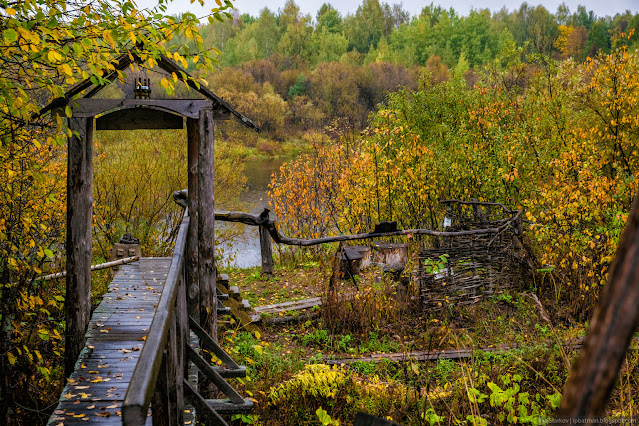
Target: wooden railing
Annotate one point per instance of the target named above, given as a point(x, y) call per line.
point(160, 378)
point(268, 229)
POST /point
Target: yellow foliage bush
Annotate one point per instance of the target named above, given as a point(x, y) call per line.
point(341, 392)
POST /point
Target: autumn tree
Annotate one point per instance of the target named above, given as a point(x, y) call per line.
point(572, 41)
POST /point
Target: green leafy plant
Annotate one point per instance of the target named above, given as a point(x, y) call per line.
point(435, 266)
point(325, 419)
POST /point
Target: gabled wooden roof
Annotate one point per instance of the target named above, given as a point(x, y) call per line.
point(164, 63)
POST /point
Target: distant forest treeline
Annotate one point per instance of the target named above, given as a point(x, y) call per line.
point(308, 71)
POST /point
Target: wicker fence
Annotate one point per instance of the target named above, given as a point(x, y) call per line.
point(461, 267)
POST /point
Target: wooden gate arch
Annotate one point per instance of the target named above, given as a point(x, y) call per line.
point(87, 113)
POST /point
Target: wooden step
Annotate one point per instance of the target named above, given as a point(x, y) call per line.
point(223, 279)
point(225, 406)
point(223, 310)
point(246, 305)
point(222, 296)
point(234, 292)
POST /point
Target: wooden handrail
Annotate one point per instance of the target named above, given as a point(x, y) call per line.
point(263, 220)
point(97, 267)
point(140, 392)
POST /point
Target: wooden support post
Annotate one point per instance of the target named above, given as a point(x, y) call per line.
point(192, 278)
point(183, 336)
point(266, 249)
point(160, 399)
point(206, 223)
point(78, 244)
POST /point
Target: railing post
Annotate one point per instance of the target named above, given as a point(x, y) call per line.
point(266, 249)
point(168, 398)
point(160, 401)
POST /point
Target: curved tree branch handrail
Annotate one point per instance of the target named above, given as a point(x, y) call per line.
point(263, 220)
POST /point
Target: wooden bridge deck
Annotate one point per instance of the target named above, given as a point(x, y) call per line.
point(115, 336)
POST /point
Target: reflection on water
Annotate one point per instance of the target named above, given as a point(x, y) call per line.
point(246, 248)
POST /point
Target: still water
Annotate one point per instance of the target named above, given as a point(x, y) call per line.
point(244, 251)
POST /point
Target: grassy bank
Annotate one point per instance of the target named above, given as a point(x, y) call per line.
point(289, 378)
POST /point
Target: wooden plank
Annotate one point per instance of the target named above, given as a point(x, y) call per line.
point(208, 343)
point(182, 341)
point(206, 222)
point(440, 354)
point(205, 413)
point(289, 306)
point(186, 107)
point(224, 406)
point(139, 118)
point(93, 268)
point(161, 400)
point(78, 244)
point(214, 376)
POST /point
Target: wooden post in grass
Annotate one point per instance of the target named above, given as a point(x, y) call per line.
point(266, 250)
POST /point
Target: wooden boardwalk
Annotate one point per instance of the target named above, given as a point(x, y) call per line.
point(115, 336)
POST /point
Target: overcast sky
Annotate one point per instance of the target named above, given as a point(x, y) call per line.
point(253, 7)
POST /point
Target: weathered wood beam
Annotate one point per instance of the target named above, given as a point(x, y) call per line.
point(97, 267)
point(613, 324)
point(206, 414)
point(79, 243)
point(206, 222)
point(86, 107)
point(139, 118)
point(192, 278)
point(214, 376)
point(266, 250)
point(211, 345)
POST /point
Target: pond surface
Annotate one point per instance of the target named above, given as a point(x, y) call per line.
point(244, 251)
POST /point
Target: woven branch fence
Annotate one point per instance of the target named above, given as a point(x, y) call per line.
point(464, 269)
